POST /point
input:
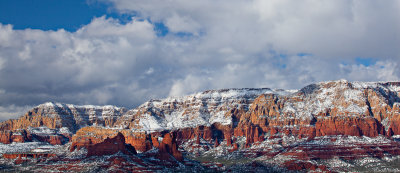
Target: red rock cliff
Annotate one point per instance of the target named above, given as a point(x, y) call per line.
point(110, 146)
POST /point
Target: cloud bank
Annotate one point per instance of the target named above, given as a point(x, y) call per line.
point(203, 45)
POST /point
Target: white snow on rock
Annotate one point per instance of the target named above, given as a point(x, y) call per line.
point(64, 130)
point(89, 110)
point(23, 147)
point(213, 106)
point(79, 116)
point(204, 108)
point(48, 131)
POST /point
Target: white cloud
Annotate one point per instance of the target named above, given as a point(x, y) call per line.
point(188, 85)
point(25, 54)
point(325, 28)
point(12, 111)
point(5, 35)
point(380, 71)
point(56, 64)
point(234, 44)
point(178, 23)
point(150, 71)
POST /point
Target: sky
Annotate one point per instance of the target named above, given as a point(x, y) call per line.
point(124, 52)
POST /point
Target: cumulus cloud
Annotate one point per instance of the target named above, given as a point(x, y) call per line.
point(209, 45)
point(380, 71)
point(62, 66)
point(326, 28)
point(12, 111)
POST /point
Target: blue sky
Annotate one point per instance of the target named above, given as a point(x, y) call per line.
point(69, 15)
point(52, 15)
point(124, 52)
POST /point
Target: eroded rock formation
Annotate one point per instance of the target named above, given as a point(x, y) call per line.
point(110, 146)
point(57, 115)
point(239, 119)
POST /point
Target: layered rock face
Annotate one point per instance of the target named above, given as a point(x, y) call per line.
point(210, 115)
point(238, 119)
point(331, 108)
point(41, 134)
point(57, 115)
point(326, 108)
point(88, 136)
point(55, 123)
point(111, 146)
point(96, 138)
point(7, 137)
point(202, 109)
point(169, 145)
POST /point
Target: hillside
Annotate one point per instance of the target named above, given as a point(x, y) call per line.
point(326, 126)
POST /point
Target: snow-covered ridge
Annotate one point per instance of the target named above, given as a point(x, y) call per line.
point(99, 112)
point(213, 106)
point(233, 93)
point(349, 98)
point(363, 85)
point(71, 106)
point(47, 131)
point(77, 116)
point(208, 107)
point(240, 92)
point(203, 108)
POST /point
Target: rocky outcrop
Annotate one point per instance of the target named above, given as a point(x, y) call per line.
point(326, 108)
point(97, 146)
point(19, 136)
point(57, 115)
point(201, 109)
point(349, 149)
point(169, 145)
point(140, 140)
point(95, 138)
point(88, 136)
point(228, 139)
point(353, 126)
point(52, 139)
point(240, 118)
point(5, 137)
point(26, 157)
point(92, 135)
point(296, 165)
point(330, 108)
point(110, 146)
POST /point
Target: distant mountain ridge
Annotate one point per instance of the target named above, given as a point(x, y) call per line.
point(271, 125)
point(73, 117)
point(208, 107)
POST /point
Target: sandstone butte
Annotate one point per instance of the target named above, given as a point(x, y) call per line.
point(322, 109)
